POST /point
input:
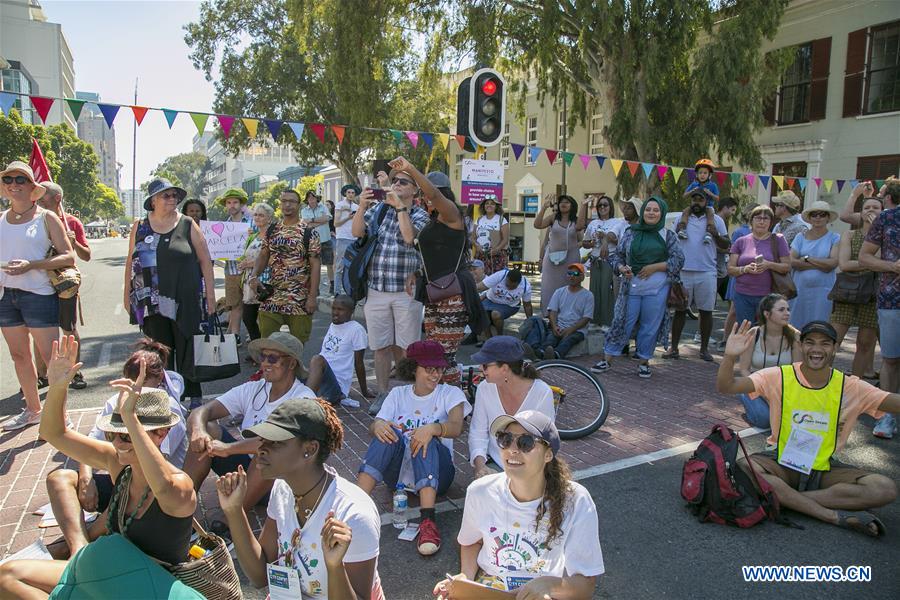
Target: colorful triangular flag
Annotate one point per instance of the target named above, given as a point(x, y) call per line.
point(648, 168)
point(251, 126)
point(533, 153)
point(676, 173)
point(779, 181)
point(413, 138)
point(170, 116)
point(879, 183)
point(199, 120)
point(840, 183)
point(735, 179)
point(632, 166)
point(274, 127)
point(226, 122)
point(75, 107)
point(461, 141)
point(585, 160)
point(297, 128)
point(398, 135)
point(600, 160)
point(790, 181)
point(6, 102)
point(828, 184)
point(567, 158)
point(551, 155)
point(616, 165)
point(517, 150)
point(339, 132)
point(854, 183)
point(428, 138)
point(42, 106)
point(750, 178)
point(721, 177)
point(802, 182)
point(764, 181)
point(109, 112)
point(139, 113)
point(661, 171)
point(818, 181)
point(691, 175)
point(444, 139)
point(318, 130)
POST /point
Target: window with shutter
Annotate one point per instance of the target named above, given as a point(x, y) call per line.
point(855, 72)
point(878, 167)
point(883, 69)
point(794, 92)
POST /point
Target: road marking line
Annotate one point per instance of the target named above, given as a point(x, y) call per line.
point(105, 355)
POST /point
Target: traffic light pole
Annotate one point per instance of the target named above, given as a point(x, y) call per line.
point(564, 139)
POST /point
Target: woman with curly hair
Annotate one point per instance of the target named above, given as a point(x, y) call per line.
point(322, 533)
point(530, 528)
point(563, 243)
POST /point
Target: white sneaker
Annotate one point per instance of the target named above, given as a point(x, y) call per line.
point(349, 403)
point(24, 419)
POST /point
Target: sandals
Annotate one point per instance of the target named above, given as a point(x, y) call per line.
point(672, 355)
point(863, 520)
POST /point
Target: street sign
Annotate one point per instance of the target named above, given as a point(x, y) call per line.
point(480, 179)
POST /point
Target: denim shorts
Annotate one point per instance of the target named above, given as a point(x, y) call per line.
point(505, 310)
point(889, 329)
point(35, 311)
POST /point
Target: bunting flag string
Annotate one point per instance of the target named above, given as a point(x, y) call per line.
point(43, 104)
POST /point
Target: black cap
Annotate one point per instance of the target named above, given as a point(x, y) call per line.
point(534, 422)
point(500, 348)
point(823, 327)
point(296, 417)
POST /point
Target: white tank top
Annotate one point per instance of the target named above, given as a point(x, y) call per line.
point(770, 357)
point(25, 241)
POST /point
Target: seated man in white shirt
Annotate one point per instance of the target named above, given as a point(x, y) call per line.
point(212, 447)
point(571, 309)
point(506, 291)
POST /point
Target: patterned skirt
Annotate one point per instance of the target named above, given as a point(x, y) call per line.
point(858, 315)
point(445, 323)
point(492, 262)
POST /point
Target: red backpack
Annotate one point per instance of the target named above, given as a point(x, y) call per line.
point(718, 490)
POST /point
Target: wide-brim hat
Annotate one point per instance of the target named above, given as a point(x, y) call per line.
point(153, 411)
point(161, 185)
point(789, 199)
point(350, 186)
point(17, 166)
point(234, 193)
point(634, 201)
point(283, 342)
point(821, 206)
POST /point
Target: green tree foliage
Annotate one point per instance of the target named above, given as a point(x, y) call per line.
point(72, 163)
point(271, 195)
point(187, 170)
point(336, 62)
point(678, 79)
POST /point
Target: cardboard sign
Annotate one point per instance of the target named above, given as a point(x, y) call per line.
point(225, 239)
point(480, 179)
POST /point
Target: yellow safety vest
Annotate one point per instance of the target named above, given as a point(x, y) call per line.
point(815, 410)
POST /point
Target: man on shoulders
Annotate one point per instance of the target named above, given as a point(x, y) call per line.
point(813, 408)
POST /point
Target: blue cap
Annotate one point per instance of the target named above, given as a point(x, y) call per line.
point(477, 263)
point(500, 348)
point(534, 422)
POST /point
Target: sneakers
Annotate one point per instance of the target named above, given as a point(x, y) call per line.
point(375, 406)
point(682, 233)
point(349, 403)
point(24, 419)
point(550, 353)
point(885, 427)
point(429, 538)
point(707, 239)
point(644, 371)
point(600, 367)
point(78, 382)
point(697, 338)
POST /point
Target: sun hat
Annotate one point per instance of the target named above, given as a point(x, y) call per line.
point(820, 206)
point(534, 422)
point(634, 201)
point(153, 411)
point(295, 417)
point(576, 265)
point(350, 186)
point(789, 199)
point(284, 342)
point(427, 353)
point(25, 169)
point(161, 185)
point(823, 327)
point(500, 348)
point(234, 193)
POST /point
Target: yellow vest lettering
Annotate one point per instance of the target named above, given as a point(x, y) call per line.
point(813, 410)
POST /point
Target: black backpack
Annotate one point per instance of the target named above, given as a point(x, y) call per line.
point(718, 490)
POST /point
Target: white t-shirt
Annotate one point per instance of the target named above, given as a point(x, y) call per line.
point(251, 400)
point(174, 446)
point(615, 226)
point(512, 544)
point(302, 548)
point(404, 407)
point(344, 231)
point(338, 348)
point(484, 226)
point(499, 293)
point(488, 407)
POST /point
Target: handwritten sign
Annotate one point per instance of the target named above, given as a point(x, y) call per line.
point(225, 239)
point(480, 179)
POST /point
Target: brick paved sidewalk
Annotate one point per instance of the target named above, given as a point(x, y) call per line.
point(678, 405)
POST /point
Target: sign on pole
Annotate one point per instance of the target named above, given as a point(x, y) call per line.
point(225, 239)
point(480, 179)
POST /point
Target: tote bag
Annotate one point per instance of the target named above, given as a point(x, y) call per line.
point(215, 354)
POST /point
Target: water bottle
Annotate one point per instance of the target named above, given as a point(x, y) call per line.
point(399, 518)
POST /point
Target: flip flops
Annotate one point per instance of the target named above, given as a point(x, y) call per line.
point(671, 355)
point(863, 520)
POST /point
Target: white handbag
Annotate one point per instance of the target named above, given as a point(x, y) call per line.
point(215, 355)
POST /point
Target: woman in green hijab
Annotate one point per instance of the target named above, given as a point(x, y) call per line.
point(648, 259)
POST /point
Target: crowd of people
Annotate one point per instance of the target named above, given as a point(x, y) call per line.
point(433, 274)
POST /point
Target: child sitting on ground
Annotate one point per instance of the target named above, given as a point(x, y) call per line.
point(704, 185)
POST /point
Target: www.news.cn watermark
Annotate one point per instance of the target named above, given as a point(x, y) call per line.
point(807, 573)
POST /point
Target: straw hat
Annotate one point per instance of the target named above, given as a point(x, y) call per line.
point(17, 167)
point(634, 201)
point(153, 411)
point(820, 206)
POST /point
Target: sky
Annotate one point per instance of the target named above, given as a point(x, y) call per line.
point(114, 43)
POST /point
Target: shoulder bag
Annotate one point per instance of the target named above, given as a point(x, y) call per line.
point(215, 355)
point(442, 287)
point(781, 283)
point(65, 281)
point(853, 287)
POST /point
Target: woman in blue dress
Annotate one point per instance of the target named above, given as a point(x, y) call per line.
point(814, 258)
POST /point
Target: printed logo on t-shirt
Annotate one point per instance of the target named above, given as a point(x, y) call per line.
point(414, 421)
point(519, 550)
point(331, 344)
point(297, 556)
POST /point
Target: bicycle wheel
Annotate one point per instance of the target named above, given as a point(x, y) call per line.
point(581, 402)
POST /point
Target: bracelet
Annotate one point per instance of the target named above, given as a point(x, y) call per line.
point(441, 425)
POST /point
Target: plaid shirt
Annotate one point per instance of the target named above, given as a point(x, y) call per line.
point(393, 259)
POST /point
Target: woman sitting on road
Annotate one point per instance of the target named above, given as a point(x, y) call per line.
point(531, 528)
point(413, 436)
point(777, 343)
point(321, 537)
point(509, 387)
point(153, 502)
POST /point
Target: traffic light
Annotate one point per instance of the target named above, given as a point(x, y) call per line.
point(481, 101)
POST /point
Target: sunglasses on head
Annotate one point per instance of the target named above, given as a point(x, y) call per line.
point(524, 441)
point(272, 359)
point(20, 179)
point(112, 435)
point(818, 215)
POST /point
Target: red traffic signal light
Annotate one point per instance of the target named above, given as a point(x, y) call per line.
point(489, 87)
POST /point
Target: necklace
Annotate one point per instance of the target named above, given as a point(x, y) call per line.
point(19, 215)
point(298, 498)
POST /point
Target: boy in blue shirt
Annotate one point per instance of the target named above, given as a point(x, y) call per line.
point(705, 187)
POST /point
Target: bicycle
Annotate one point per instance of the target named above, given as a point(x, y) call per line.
point(568, 381)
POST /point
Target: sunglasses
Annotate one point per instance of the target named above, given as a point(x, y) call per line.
point(272, 359)
point(402, 181)
point(20, 179)
point(573, 273)
point(818, 215)
point(168, 195)
point(112, 435)
point(524, 442)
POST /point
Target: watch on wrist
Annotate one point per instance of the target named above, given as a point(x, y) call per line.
point(402, 209)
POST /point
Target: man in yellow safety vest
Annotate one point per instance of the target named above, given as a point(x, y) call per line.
point(812, 410)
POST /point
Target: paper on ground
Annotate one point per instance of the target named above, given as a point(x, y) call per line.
point(36, 551)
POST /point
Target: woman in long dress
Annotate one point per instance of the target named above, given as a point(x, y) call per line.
point(562, 244)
